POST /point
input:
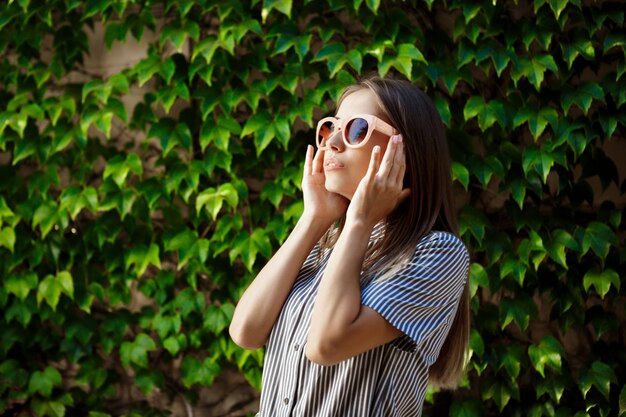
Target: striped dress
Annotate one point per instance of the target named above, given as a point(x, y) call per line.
point(389, 380)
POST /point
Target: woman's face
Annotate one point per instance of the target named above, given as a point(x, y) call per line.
point(345, 167)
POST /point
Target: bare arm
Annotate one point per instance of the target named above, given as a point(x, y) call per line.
point(340, 326)
point(260, 305)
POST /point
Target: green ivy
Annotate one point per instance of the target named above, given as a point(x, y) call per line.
point(128, 234)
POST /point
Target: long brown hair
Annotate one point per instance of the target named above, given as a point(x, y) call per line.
point(429, 206)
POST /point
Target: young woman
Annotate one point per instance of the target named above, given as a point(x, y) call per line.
point(366, 302)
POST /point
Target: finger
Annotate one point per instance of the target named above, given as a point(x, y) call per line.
point(387, 162)
point(374, 162)
point(399, 164)
point(307, 160)
point(318, 162)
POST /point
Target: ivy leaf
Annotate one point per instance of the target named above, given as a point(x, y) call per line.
point(537, 121)
point(43, 382)
point(217, 318)
point(548, 352)
point(460, 173)
point(66, 283)
point(520, 310)
point(467, 408)
point(196, 372)
point(171, 345)
point(335, 56)
point(478, 278)
point(601, 280)
point(444, 111)
point(142, 256)
point(283, 6)
point(539, 159)
point(45, 216)
point(473, 220)
point(583, 96)
point(7, 238)
point(556, 246)
point(136, 352)
point(408, 50)
point(582, 47)
point(533, 68)
point(600, 375)
point(487, 113)
point(599, 237)
point(21, 284)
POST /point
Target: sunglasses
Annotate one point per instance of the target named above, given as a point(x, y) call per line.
point(355, 130)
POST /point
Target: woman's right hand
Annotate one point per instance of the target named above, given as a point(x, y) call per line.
point(319, 203)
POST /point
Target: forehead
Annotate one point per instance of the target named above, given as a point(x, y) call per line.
point(361, 101)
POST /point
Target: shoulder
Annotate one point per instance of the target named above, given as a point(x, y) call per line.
point(442, 241)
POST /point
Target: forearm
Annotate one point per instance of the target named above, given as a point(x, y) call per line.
point(261, 303)
point(338, 300)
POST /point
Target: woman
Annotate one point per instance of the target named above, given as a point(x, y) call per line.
point(356, 305)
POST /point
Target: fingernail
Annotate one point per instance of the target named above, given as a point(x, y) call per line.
point(397, 138)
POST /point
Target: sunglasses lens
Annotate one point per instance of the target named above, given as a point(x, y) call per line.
point(356, 130)
point(324, 131)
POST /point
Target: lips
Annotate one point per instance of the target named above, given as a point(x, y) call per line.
point(332, 163)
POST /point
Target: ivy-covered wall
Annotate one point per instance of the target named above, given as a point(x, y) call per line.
point(137, 203)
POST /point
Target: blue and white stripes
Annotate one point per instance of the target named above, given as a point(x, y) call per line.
point(420, 299)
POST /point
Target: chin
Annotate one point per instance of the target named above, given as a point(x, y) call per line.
point(334, 187)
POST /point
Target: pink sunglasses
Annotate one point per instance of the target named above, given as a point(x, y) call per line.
point(357, 131)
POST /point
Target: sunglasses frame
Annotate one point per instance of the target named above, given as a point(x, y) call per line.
point(373, 123)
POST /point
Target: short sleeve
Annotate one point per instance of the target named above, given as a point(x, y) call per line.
point(422, 297)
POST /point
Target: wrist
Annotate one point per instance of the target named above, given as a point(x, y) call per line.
point(359, 227)
point(313, 224)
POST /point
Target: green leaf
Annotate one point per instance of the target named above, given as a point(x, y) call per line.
point(583, 96)
point(172, 345)
point(600, 376)
point(548, 352)
point(599, 237)
point(444, 111)
point(45, 216)
point(460, 173)
point(210, 199)
point(556, 246)
point(533, 68)
point(467, 408)
point(601, 280)
point(410, 51)
point(7, 238)
point(622, 402)
point(582, 47)
point(66, 283)
point(487, 113)
point(136, 352)
point(21, 284)
point(537, 121)
point(478, 278)
point(520, 310)
point(539, 159)
point(335, 56)
point(283, 6)
point(43, 382)
point(142, 256)
point(473, 220)
point(196, 372)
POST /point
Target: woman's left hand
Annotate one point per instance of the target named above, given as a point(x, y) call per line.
point(380, 191)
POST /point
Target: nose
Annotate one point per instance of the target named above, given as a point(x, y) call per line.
point(335, 141)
